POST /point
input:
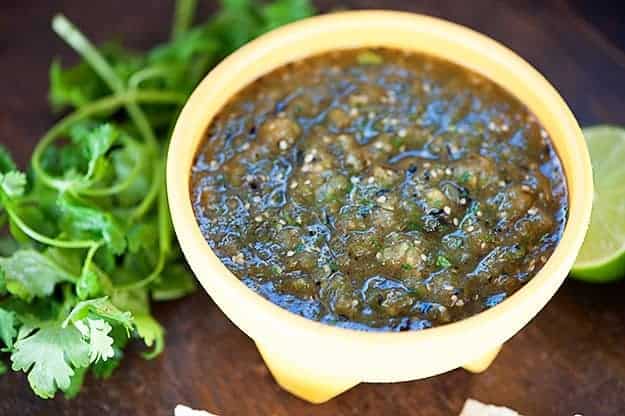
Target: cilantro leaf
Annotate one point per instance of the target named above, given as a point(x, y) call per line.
point(140, 236)
point(29, 274)
point(3, 368)
point(100, 308)
point(6, 161)
point(91, 240)
point(281, 12)
point(152, 334)
point(13, 183)
point(3, 283)
point(75, 383)
point(104, 369)
point(79, 219)
point(94, 143)
point(79, 85)
point(70, 259)
point(88, 285)
point(7, 328)
point(175, 282)
point(49, 356)
point(8, 246)
point(73, 87)
point(134, 301)
point(100, 343)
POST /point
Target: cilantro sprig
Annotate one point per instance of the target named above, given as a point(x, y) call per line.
point(88, 240)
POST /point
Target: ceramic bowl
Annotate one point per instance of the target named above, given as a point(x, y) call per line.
point(316, 361)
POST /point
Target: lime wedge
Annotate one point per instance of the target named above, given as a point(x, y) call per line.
point(602, 257)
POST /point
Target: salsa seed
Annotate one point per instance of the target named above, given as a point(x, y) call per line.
point(455, 221)
point(447, 210)
point(239, 258)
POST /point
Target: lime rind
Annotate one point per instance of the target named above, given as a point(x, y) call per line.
point(602, 257)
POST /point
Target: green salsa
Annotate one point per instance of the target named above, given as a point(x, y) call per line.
point(379, 189)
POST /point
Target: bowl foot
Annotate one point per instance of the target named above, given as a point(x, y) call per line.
point(483, 362)
point(306, 379)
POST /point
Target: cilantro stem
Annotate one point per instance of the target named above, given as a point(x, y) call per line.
point(145, 74)
point(183, 17)
point(151, 277)
point(42, 238)
point(89, 258)
point(105, 279)
point(164, 237)
point(147, 202)
point(165, 225)
point(70, 34)
point(119, 186)
point(103, 105)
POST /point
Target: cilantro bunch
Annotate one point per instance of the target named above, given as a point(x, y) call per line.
point(87, 241)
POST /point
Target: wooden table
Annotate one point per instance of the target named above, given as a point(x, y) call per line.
point(571, 358)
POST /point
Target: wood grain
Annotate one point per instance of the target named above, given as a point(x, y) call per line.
point(571, 358)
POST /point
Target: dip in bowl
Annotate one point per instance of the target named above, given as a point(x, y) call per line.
point(444, 201)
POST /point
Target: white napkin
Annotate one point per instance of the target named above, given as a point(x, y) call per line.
point(475, 408)
point(181, 410)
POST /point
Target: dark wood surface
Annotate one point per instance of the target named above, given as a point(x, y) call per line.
point(571, 358)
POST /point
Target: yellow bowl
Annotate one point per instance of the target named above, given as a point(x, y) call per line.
point(315, 361)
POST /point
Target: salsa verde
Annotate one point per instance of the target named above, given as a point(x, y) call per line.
point(379, 189)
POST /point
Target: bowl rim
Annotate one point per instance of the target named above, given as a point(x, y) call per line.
point(283, 322)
